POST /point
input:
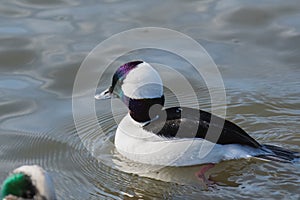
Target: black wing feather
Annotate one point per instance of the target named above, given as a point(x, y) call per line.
point(192, 123)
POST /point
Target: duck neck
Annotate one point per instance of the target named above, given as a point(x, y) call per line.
point(143, 110)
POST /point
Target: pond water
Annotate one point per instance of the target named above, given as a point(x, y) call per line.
point(43, 43)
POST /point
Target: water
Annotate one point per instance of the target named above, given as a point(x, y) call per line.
point(42, 44)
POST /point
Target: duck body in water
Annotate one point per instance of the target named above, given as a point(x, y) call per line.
point(176, 136)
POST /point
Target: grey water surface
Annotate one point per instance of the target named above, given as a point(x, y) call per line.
point(255, 44)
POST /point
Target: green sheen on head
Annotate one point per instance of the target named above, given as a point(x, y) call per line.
point(18, 185)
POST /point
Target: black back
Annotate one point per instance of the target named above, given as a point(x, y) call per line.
point(179, 122)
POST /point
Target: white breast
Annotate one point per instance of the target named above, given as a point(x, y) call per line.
point(141, 146)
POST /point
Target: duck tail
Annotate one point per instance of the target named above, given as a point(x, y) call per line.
point(279, 154)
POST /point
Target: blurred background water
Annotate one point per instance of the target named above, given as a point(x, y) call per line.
point(42, 44)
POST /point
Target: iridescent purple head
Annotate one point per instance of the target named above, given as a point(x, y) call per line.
point(138, 85)
point(136, 80)
point(121, 73)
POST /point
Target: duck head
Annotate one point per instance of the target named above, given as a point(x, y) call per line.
point(139, 86)
point(28, 182)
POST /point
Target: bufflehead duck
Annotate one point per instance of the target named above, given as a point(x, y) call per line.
point(176, 136)
point(28, 182)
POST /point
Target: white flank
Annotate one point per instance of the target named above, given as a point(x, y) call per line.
point(145, 147)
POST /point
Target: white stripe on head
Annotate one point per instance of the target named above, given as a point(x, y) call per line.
point(143, 82)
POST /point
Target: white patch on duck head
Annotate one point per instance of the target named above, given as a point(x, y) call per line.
point(40, 179)
point(143, 82)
